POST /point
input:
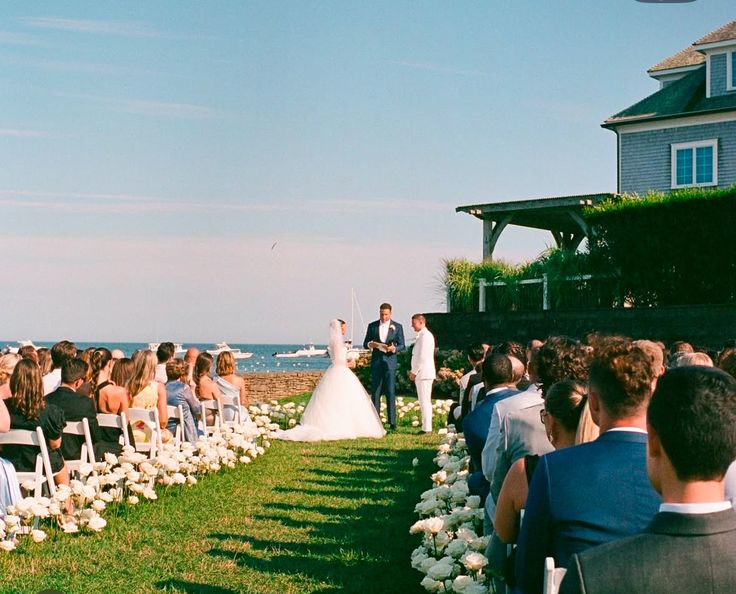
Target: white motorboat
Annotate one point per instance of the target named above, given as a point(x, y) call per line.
point(309, 350)
point(21, 343)
point(222, 347)
point(178, 348)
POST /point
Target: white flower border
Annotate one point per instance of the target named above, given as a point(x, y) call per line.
point(451, 553)
point(132, 477)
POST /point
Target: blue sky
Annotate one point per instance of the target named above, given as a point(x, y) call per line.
point(154, 152)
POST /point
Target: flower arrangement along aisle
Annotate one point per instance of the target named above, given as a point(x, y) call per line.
point(451, 553)
point(131, 478)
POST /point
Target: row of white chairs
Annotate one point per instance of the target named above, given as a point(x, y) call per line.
point(42, 475)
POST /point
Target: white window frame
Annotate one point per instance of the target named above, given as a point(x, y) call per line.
point(730, 82)
point(713, 142)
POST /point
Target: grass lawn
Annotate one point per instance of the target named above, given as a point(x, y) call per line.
point(304, 518)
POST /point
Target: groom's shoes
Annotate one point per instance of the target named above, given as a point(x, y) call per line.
point(391, 429)
point(423, 432)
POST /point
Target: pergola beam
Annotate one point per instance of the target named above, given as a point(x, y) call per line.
point(491, 233)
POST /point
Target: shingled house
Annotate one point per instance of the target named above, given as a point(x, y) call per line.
point(684, 135)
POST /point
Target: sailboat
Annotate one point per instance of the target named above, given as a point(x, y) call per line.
point(353, 351)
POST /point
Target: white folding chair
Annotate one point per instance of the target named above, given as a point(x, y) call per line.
point(117, 422)
point(177, 412)
point(213, 406)
point(231, 408)
point(87, 453)
point(150, 419)
point(42, 473)
point(552, 576)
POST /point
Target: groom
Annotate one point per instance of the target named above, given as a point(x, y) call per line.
point(386, 338)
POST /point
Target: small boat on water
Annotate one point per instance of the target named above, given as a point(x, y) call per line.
point(222, 347)
point(309, 350)
point(178, 348)
point(21, 343)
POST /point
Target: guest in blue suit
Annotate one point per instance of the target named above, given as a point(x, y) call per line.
point(596, 492)
point(498, 374)
point(386, 338)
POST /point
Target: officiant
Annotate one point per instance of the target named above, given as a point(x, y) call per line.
point(385, 338)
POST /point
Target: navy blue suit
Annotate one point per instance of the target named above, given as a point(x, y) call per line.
point(383, 366)
point(475, 429)
point(581, 497)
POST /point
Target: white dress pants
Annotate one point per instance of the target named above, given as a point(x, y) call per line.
point(424, 395)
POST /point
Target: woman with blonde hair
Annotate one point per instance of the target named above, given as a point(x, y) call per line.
point(567, 421)
point(230, 384)
point(7, 365)
point(205, 387)
point(28, 409)
point(148, 394)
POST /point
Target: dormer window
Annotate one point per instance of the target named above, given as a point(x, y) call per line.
point(731, 71)
point(695, 164)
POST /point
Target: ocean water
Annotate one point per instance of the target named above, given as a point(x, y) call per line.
point(262, 359)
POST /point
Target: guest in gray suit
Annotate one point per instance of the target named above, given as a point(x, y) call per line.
point(690, 545)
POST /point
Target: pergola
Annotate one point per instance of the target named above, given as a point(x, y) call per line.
point(561, 216)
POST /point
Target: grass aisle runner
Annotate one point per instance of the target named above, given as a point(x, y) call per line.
point(305, 518)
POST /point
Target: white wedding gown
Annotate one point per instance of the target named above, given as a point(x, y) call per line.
point(339, 408)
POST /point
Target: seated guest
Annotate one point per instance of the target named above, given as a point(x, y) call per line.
point(44, 360)
point(148, 394)
point(164, 353)
point(28, 409)
point(596, 492)
point(28, 351)
point(516, 353)
point(179, 393)
point(117, 354)
point(113, 397)
point(230, 384)
point(206, 388)
point(60, 352)
point(688, 359)
point(690, 545)
point(87, 388)
point(7, 365)
point(655, 352)
point(497, 377)
point(567, 421)
point(520, 433)
point(678, 348)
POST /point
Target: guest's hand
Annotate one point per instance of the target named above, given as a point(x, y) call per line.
point(391, 348)
point(412, 376)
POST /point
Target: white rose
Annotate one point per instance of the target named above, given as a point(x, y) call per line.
point(7, 545)
point(461, 583)
point(474, 561)
point(431, 585)
point(434, 525)
point(98, 505)
point(440, 571)
point(11, 521)
point(473, 502)
point(457, 548)
point(96, 524)
point(132, 500)
point(38, 535)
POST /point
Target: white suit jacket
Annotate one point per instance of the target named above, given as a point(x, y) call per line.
point(422, 357)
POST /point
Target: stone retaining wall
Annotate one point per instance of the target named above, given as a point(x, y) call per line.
point(269, 386)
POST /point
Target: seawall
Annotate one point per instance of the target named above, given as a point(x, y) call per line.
point(274, 386)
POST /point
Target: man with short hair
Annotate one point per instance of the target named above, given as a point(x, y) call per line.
point(60, 352)
point(690, 545)
point(386, 338)
point(596, 492)
point(77, 407)
point(422, 371)
point(164, 353)
point(475, 354)
point(28, 351)
point(497, 377)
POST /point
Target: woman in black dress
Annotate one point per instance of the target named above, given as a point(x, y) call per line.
point(28, 409)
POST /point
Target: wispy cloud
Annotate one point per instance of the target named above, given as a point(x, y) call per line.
point(169, 109)
point(23, 133)
point(439, 68)
point(131, 203)
point(8, 38)
point(121, 28)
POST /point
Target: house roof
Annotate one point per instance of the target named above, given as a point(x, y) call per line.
point(682, 97)
point(724, 33)
point(687, 57)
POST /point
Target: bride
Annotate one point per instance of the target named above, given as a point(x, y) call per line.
point(339, 407)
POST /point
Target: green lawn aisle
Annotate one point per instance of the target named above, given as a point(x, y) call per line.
point(304, 518)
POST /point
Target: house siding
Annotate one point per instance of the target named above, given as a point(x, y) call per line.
point(646, 156)
point(717, 75)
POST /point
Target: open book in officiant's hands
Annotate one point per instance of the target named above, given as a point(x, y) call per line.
point(373, 344)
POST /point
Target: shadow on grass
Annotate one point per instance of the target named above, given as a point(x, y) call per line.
point(191, 587)
point(345, 529)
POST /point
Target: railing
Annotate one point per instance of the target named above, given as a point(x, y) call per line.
point(578, 291)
